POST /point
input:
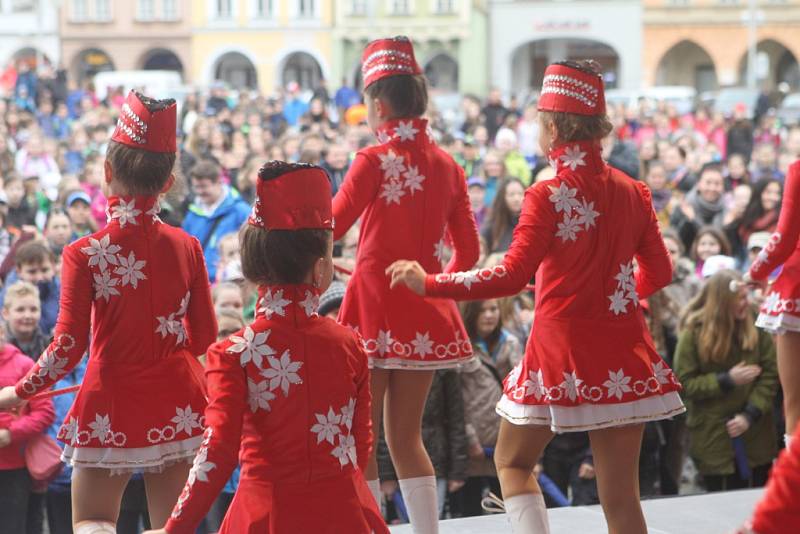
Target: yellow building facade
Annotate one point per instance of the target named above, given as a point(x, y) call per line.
point(262, 44)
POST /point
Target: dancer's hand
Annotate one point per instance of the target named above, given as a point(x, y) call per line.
point(389, 488)
point(454, 485)
point(737, 426)
point(9, 399)
point(476, 452)
point(586, 471)
point(756, 284)
point(5, 438)
point(742, 373)
point(409, 273)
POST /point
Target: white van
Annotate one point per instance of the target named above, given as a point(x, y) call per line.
point(154, 83)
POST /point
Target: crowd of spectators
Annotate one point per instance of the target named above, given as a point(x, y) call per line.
point(716, 183)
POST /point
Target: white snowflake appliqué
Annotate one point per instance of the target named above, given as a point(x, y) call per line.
point(345, 452)
point(200, 467)
point(573, 157)
point(383, 137)
point(51, 365)
point(274, 303)
point(130, 269)
point(251, 347)
point(571, 384)
point(662, 372)
point(282, 372)
point(619, 303)
point(392, 192)
point(617, 384)
point(348, 412)
point(405, 131)
point(423, 344)
point(392, 165)
point(126, 212)
point(564, 198)
point(185, 420)
point(101, 428)
point(384, 342)
point(101, 252)
point(626, 290)
point(327, 426)
point(310, 303)
point(587, 214)
point(258, 396)
point(534, 384)
point(105, 286)
point(438, 250)
point(568, 229)
point(413, 179)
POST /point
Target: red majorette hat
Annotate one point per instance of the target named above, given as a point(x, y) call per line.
point(570, 90)
point(147, 123)
point(388, 57)
point(292, 196)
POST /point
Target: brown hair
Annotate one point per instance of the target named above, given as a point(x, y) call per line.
point(205, 170)
point(470, 311)
point(573, 127)
point(33, 252)
point(280, 256)
point(407, 95)
point(712, 317)
point(724, 244)
point(139, 171)
point(19, 290)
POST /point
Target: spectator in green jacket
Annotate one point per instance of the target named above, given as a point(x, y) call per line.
point(516, 164)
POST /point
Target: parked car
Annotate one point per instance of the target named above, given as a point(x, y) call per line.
point(789, 110)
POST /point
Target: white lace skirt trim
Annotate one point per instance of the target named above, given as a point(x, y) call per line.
point(591, 416)
point(152, 459)
point(778, 324)
point(418, 365)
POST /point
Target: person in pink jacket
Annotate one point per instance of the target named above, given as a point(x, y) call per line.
point(15, 430)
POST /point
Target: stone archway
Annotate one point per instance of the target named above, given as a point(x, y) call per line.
point(687, 63)
point(237, 70)
point(442, 72)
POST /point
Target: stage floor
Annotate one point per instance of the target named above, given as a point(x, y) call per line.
point(716, 513)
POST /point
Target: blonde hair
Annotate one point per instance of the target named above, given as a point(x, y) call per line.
point(19, 290)
point(711, 315)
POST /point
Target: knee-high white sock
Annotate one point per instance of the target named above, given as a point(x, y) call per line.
point(375, 488)
point(787, 439)
point(420, 497)
point(95, 527)
point(527, 513)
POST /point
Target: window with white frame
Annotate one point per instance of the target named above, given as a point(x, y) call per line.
point(306, 9)
point(263, 9)
point(79, 11)
point(358, 7)
point(102, 10)
point(223, 9)
point(145, 10)
point(400, 7)
point(169, 9)
point(445, 6)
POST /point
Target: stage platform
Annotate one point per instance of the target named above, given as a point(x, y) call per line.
point(717, 513)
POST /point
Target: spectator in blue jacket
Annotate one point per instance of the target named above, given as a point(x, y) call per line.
point(36, 264)
point(217, 210)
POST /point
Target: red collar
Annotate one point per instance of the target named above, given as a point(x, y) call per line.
point(411, 130)
point(580, 157)
point(293, 304)
point(133, 211)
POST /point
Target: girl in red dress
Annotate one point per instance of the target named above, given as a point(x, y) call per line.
point(292, 389)
point(409, 194)
point(780, 313)
point(591, 237)
point(140, 288)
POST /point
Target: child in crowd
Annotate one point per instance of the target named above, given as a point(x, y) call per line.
point(227, 296)
point(141, 289)
point(288, 368)
point(36, 264)
point(20, 212)
point(228, 253)
point(476, 189)
point(709, 242)
point(58, 231)
point(78, 207)
point(15, 429)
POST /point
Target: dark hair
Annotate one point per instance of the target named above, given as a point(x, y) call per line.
point(573, 127)
point(55, 212)
point(754, 209)
point(280, 256)
point(470, 311)
point(501, 218)
point(407, 95)
point(205, 170)
point(33, 252)
point(724, 244)
point(710, 167)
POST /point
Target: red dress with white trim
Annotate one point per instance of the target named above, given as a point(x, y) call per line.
point(140, 288)
point(293, 389)
point(410, 193)
point(781, 309)
point(590, 362)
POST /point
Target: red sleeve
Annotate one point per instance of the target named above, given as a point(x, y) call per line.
point(532, 238)
point(358, 190)
point(200, 320)
point(362, 417)
point(463, 231)
point(218, 454)
point(778, 511)
point(36, 418)
point(784, 241)
point(71, 333)
point(652, 257)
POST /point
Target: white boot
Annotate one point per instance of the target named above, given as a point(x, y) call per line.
point(375, 488)
point(420, 497)
point(527, 513)
point(95, 527)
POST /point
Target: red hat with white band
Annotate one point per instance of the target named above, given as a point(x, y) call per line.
point(147, 124)
point(292, 196)
point(388, 57)
point(570, 90)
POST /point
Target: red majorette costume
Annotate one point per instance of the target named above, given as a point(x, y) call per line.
point(410, 193)
point(590, 362)
point(141, 288)
point(294, 387)
point(778, 511)
point(781, 309)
